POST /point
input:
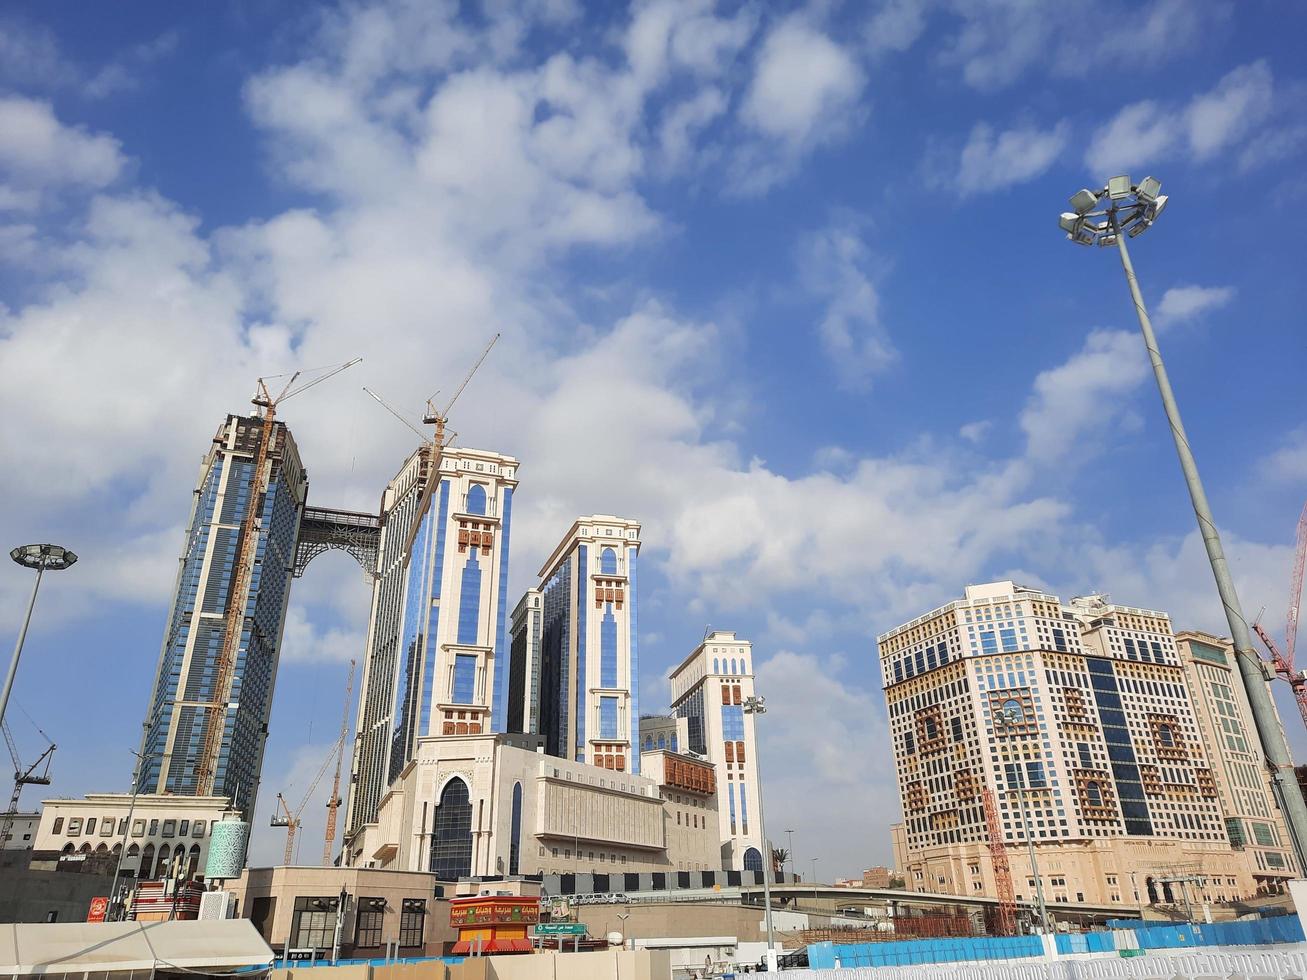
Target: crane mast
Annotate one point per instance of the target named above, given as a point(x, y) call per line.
point(247, 547)
point(1007, 907)
point(1283, 661)
point(333, 804)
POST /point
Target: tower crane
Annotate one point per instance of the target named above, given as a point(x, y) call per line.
point(333, 804)
point(1006, 923)
point(433, 445)
point(291, 820)
point(215, 710)
point(24, 776)
point(1282, 661)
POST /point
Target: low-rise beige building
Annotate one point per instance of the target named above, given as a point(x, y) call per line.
point(297, 908)
point(470, 805)
point(164, 830)
point(20, 834)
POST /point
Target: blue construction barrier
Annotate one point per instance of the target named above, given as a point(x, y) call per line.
point(1254, 932)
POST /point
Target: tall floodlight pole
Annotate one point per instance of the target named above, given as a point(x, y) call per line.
point(754, 705)
point(1129, 210)
point(141, 759)
point(43, 558)
point(1006, 722)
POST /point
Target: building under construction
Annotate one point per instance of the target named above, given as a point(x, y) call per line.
point(192, 700)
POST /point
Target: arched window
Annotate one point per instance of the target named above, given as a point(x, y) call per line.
point(716, 666)
point(1093, 793)
point(193, 861)
point(648, 743)
point(753, 859)
point(102, 849)
point(733, 671)
point(929, 726)
point(744, 667)
point(161, 862)
point(451, 836)
point(86, 848)
point(118, 848)
point(608, 562)
point(134, 851)
point(1012, 712)
point(476, 499)
point(1166, 735)
point(69, 848)
point(674, 748)
point(515, 830)
point(662, 741)
point(144, 869)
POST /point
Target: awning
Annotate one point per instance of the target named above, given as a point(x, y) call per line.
point(53, 948)
point(467, 947)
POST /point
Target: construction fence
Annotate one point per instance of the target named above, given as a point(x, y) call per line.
point(1208, 964)
point(1124, 942)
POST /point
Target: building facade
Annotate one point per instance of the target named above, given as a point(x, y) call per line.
point(1077, 718)
point(524, 675)
point(709, 689)
point(1253, 821)
point(164, 833)
point(21, 831)
point(499, 805)
point(184, 684)
point(437, 656)
point(587, 703)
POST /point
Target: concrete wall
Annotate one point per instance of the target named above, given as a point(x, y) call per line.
point(30, 896)
point(604, 965)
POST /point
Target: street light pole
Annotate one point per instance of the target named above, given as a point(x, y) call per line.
point(40, 557)
point(1130, 210)
point(754, 705)
point(141, 759)
point(1030, 846)
point(789, 834)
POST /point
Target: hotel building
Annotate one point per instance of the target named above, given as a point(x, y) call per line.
point(709, 689)
point(586, 703)
point(437, 656)
point(1097, 755)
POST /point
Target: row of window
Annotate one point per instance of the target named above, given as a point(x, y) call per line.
point(78, 826)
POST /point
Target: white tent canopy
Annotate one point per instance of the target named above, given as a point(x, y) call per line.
point(57, 948)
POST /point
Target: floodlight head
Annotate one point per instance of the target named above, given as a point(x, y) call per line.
point(1138, 228)
point(1108, 239)
point(1084, 200)
point(1157, 207)
point(1082, 236)
point(1148, 190)
point(1069, 222)
point(1118, 188)
point(45, 557)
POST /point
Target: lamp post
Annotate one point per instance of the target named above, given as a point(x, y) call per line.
point(43, 558)
point(754, 705)
point(789, 834)
point(814, 877)
point(1006, 720)
point(1128, 210)
point(141, 759)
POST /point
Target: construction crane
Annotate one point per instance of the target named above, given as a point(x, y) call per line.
point(247, 547)
point(1007, 901)
point(433, 445)
point(291, 820)
point(333, 804)
point(1283, 660)
point(24, 776)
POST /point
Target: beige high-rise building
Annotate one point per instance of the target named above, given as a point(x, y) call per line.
point(1253, 821)
point(1098, 757)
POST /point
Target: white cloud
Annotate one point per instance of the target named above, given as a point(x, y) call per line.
point(1147, 132)
point(1136, 136)
point(1240, 101)
point(1181, 304)
point(37, 150)
point(993, 161)
point(896, 25)
point(975, 432)
point(1078, 402)
point(833, 268)
point(1288, 464)
point(806, 91)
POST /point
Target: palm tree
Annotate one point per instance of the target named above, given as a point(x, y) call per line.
point(779, 856)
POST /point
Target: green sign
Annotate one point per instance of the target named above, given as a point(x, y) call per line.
point(560, 929)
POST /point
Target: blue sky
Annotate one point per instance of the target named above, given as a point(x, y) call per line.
point(782, 281)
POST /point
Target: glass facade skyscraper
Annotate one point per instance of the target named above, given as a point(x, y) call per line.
point(187, 673)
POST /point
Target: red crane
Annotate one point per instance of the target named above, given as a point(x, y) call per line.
point(1005, 923)
point(1283, 662)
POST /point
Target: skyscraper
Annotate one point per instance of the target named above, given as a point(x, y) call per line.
point(185, 687)
point(1078, 719)
point(587, 702)
point(437, 656)
point(524, 670)
point(709, 689)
